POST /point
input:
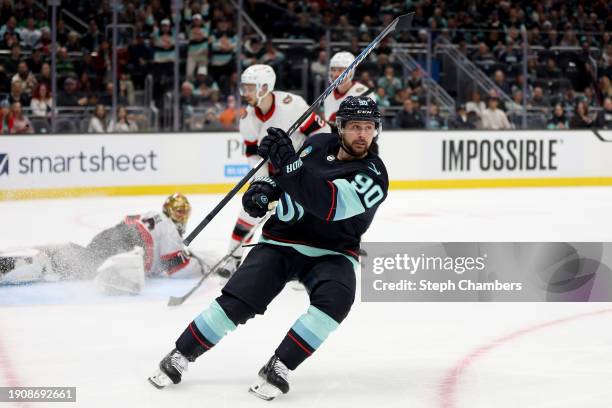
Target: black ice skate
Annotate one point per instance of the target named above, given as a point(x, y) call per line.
point(272, 380)
point(170, 370)
point(229, 267)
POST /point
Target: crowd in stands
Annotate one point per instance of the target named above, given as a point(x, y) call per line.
point(568, 69)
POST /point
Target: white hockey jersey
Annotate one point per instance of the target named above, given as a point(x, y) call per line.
point(165, 253)
point(286, 109)
point(334, 99)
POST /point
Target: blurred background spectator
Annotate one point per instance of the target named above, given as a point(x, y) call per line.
point(476, 48)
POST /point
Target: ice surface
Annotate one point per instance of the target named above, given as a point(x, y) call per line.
point(385, 354)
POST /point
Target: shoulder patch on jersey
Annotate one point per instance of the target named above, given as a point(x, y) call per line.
point(360, 89)
point(306, 151)
point(243, 113)
point(287, 99)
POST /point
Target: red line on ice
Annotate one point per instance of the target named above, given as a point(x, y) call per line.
point(450, 382)
point(7, 369)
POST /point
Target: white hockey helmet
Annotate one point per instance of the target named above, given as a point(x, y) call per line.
point(259, 75)
point(341, 59)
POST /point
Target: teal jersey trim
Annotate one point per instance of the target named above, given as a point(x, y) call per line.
point(213, 323)
point(309, 250)
point(314, 327)
point(348, 202)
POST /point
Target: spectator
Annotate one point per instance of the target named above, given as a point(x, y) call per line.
point(26, 79)
point(64, 64)
point(550, 71)
point(197, 52)
point(45, 74)
point(228, 117)
point(367, 80)
point(21, 124)
point(462, 120)
point(45, 41)
point(408, 117)
point(97, 123)
point(11, 28)
point(187, 102)
point(436, 121)
point(604, 117)
point(140, 55)
point(91, 41)
point(211, 121)
point(589, 97)
point(126, 89)
point(70, 97)
point(35, 61)
point(73, 44)
point(538, 99)
point(62, 33)
point(273, 57)
point(5, 81)
point(17, 94)
point(318, 68)
point(415, 81)
point(483, 58)
point(12, 61)
point(7, 42)
point(581, 119)
point(558, 120)
point(223, 48)
point(476, 104)
point(204, 84)
point(381, 98)
point(253, 52)
point(494, 118)
point(6, 119)
point(30, 35)
point(389, 82)
point(163, 53)
point(42, 102)
point(500, 80)
point(124, 124)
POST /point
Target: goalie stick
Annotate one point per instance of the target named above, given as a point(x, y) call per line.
point(402, 22)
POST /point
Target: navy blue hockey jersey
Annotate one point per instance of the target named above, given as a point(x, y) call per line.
point(327, 203)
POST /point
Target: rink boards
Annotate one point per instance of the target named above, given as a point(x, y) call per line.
point(137, 164)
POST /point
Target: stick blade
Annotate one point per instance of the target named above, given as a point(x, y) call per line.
point(175, 301)
point(404, 22)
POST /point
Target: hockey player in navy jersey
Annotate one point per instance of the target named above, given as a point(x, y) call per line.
point(327, 196)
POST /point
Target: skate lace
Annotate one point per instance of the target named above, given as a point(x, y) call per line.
point(280, 369)
point(179, 362)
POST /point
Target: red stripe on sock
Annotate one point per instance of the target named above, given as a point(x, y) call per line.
point(299, 344)
point(198, 338)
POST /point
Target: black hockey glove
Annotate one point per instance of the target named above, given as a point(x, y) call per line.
point(261, 192)
point(277, 147)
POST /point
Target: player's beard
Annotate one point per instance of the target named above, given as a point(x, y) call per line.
point(357, 148)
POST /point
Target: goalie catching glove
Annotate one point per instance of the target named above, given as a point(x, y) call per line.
point(261, 193)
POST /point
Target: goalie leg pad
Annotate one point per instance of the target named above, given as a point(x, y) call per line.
point(122, 274)
point(23, 266)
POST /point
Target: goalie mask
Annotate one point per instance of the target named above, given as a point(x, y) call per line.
point(177, 208)
point(258, 75)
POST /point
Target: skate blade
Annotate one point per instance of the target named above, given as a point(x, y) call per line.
point(160, 380)
point(264, 390)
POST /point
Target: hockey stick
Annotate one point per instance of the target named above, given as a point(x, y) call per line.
point(176, 301)
point(402, 22)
